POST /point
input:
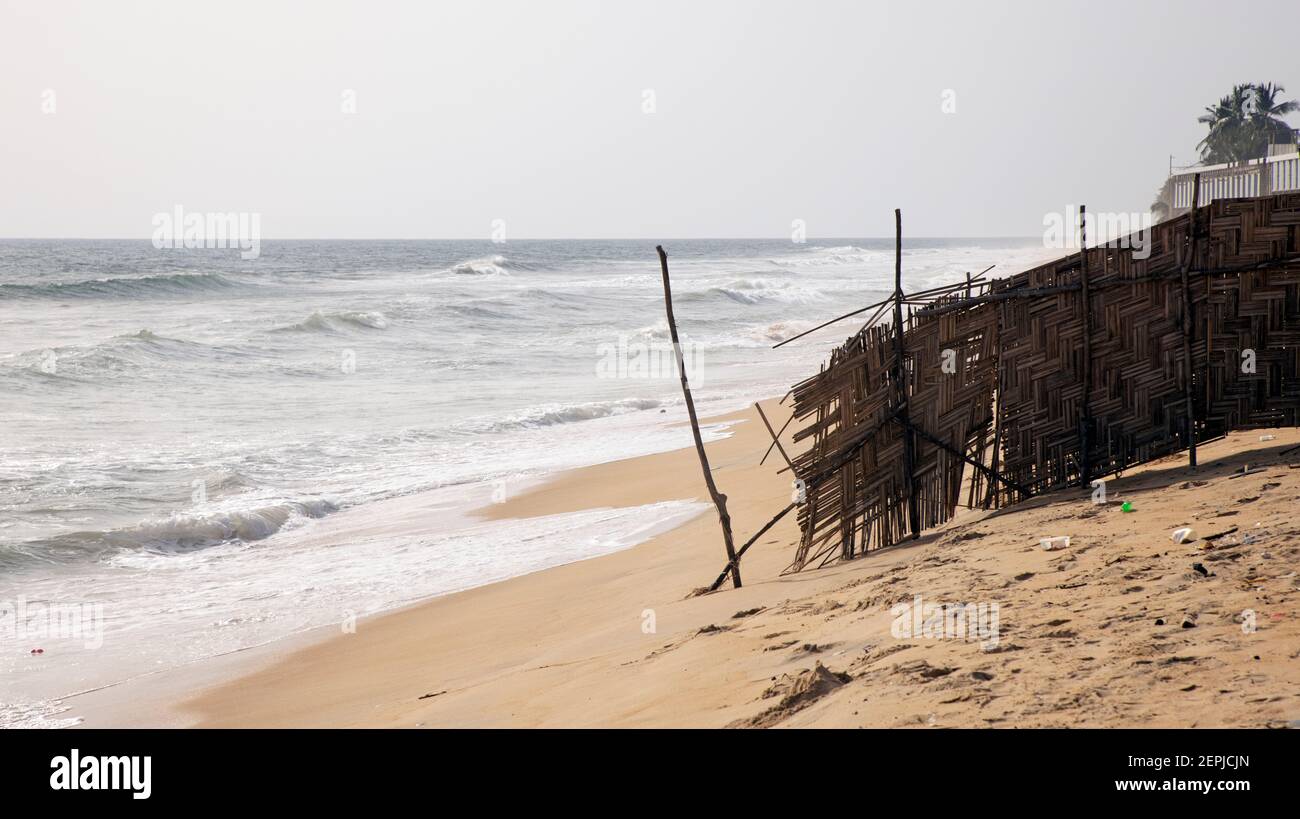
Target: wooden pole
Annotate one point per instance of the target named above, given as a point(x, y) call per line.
point(1085, 414)
point(719, 499)
point(772, 445)
point(994, 494)
point(942, 444)
point(1189, 422)
point(900, 370)
point(741, 553)
point(775, 438)
point(942, 290)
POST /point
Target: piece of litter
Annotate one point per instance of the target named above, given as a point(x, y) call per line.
point(1267, 437)
point(1052, 544)
point(1126, 507)
point(1183, 535)
point(1218, 535)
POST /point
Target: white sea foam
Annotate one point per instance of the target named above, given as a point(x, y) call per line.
point(340, 404)
point(341, 320)
point(486, 266)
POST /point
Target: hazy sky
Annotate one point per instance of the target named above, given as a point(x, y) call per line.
point(532, 112)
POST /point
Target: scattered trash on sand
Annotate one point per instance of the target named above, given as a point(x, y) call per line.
point(1218, 535)
point(1053, 544)
point(1184, 535)
point(1126, 507)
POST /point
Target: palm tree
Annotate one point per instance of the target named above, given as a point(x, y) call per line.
point(1228, 121)
point(1245, 122)
point(1266, 118)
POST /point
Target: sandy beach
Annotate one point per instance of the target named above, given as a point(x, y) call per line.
point(1124, 627)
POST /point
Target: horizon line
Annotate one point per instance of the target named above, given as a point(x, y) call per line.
point(506, 242)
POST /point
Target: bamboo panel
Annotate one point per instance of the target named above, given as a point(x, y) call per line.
point(1022, 351)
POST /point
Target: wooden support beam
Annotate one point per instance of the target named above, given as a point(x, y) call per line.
point(775, 438)
point(900, 371)
point(734, 563)
point(851, 450)
point(999, 400)
point(1189, 422)
point(1005, 295)
point(1047, 290)
point(772, 445)
point(942, 444)
point(719, 499)
point(923, 294)
point(829, 323)
point(1085, 415)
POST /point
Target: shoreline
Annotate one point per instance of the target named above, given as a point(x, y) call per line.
point(114, 704)
point(519, 607)
point(1078, 644)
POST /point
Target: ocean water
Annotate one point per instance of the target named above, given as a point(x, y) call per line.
point(201, 453)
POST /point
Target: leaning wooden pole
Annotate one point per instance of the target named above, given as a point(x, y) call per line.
point(900, 372)
point(772, 445)
point(719, 499)
point(1085, 413)
point(776, 438)
point(1189, 421)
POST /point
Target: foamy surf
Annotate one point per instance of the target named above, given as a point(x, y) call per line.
point(359, 564)
point(222, 453)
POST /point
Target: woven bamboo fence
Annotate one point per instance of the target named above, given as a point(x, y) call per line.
point(1053, 377)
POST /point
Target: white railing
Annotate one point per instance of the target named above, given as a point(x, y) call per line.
point(1281, 174)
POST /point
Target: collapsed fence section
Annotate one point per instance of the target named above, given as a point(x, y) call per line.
point(1076, 369)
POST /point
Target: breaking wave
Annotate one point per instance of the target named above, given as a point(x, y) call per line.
point(756, 291)
point(546, 415)
point(176, 284)
point(832, 256)
point(175, 534)
point(340, 321)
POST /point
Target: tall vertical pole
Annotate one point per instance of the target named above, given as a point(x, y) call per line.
point(994, 489)
point(1189, 422)
point(1085, 414)
point(900, 371)
point(719, 499)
